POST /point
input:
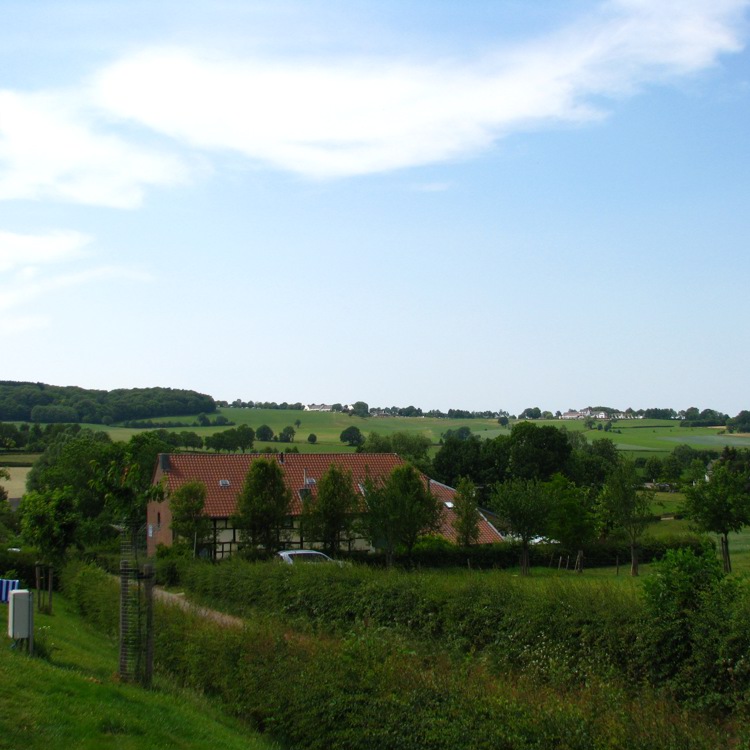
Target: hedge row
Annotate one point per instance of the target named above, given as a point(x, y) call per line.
point(507, 554)
point(568, 630)
point(373, 689)
point(18, 565)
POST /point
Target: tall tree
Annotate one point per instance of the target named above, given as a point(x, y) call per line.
point(537, 452)
point(72, 461)
point(352, 436)
point(287, 434)
point(572, 520)
point(49, 522)
point(458, 458)
point(189, 521)
point(263, 505)
point(330, 514)
point(721, 504)
point(467, 513)
point(360, 409)
point(524, 507)
point(625, 508)
point(245, 437)
point(399, 510)
point(264, 433)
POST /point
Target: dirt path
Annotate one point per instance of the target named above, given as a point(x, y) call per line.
point(178, 600)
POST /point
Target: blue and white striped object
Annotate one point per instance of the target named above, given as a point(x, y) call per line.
point(6, 586)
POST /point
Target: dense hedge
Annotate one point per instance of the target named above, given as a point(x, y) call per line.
point(372, 688)
point(18, 565)
point(507, 554)
point(568, 629)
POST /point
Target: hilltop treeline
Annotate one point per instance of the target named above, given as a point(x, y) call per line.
point(38, 402)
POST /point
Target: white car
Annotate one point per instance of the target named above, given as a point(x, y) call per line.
point(294, 556)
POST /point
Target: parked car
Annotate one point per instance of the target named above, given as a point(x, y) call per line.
point(295, 556)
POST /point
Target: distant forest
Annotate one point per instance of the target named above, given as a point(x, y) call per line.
point(37, 402)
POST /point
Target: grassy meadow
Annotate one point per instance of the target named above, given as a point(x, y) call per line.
point(72, 698)
point(642, 437)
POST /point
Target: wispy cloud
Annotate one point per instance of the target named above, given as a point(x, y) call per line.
point(140, 121)
point(52, 146)
point(335, 118)
point(30, 250)
point(30, 268)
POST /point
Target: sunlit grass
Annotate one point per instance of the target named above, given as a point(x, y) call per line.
point(73, 699)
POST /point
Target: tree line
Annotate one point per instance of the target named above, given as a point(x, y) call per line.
point(39, 402)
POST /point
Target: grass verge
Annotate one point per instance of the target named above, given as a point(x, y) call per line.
point(73, 699)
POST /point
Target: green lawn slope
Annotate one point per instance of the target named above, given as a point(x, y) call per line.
point(73, 699)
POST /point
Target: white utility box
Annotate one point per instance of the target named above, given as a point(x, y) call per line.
point(20, 614)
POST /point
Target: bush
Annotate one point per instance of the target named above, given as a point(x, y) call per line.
point(695, 638)
point(20, 565)
point(375, 687)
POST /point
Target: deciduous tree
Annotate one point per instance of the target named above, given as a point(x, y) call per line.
point(263, 505)
point(524, 507)
point(49, 521)
point(189, 521)
point(264, 433)
point(352, 436)
point(572, 520)
point(623, 507)
point(466, 512)
point(329, 515)
point(399, 510)
point(287, 434)
point(721, 504)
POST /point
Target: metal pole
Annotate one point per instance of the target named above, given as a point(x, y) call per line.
point(124, 619)
point(148, 575)
point(31, 623)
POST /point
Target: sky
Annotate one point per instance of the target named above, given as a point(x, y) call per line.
point(476, 205)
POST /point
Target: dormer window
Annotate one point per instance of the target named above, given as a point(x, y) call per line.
point(223, 483)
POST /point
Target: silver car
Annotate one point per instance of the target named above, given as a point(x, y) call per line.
point(294, 556)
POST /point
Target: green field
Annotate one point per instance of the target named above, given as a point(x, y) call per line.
point(16, 486)
point(641, 437)
point(72, 699)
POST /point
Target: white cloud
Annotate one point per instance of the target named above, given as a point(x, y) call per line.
point(29, 291)
point(50, 149)
point(106, 142)
point(341, 117)
point(30, 267)
point(30, 250)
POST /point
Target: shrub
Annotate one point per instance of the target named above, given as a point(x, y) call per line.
point(377, 688)
point(693, 630)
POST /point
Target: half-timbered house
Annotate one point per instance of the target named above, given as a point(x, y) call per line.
point(224, 475)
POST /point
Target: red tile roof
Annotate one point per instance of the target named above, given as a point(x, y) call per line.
point(224, 475)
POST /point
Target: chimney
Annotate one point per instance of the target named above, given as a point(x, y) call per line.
point(164, 464)
point(281, 458)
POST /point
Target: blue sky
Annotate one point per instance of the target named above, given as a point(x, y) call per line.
point(474, 205)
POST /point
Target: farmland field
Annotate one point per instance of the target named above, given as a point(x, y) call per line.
point(16, 486)
point(636, 438)
point(641, 437)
